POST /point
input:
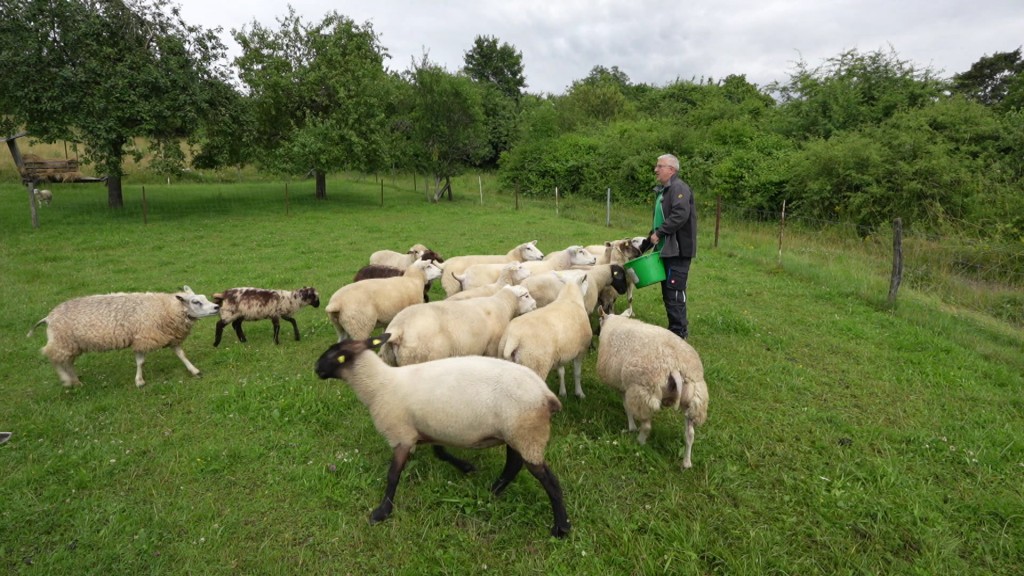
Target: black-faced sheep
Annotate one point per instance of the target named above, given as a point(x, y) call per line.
point(357, 308)
point(469, 402)
point(653, 368)
point(238, 304)
point(553, 336)
point(454, 327)
point(457, 264)
point(142, 321)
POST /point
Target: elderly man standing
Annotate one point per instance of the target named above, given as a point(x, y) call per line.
point(674, 236)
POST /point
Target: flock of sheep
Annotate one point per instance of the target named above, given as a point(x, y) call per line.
point(467, 371)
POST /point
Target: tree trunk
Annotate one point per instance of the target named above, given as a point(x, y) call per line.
point(321, 185)
point(115, 199)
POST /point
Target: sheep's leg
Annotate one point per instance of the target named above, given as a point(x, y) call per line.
point(442, 454)
point(220, 332)
point(629, 416)
point(66, 372)
point(295, 326)
point(140, 359)
point(561, 381)
point(237, 325)
point(513, 464)
point(689, 443)
point(577, 375)
point(549, 481)
point(188, 365)
point(645, 431)
point(398, 460)
point(277, 329)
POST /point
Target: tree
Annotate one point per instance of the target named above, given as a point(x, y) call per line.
point(851, 91)
point(991, 78)
point(447, 120)
point(102, 72)
point(318, 95)
point(499, 65)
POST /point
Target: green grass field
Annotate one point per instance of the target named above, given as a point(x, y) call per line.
point(845, 436)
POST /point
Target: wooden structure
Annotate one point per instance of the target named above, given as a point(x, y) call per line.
point(34, 170)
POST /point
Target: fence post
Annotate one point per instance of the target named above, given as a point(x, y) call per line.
point(480, 184)
point(556, 200)
point(145, 219)
point(897, 259)
point(718, 217)
point(32, 204)
point(782, 230)
point(608, 209)
point(382, 193)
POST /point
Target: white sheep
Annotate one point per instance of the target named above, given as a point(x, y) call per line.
point(454, 328)
point(481, 274)
point(42, 196)
point(357, 308)
point(402, 261)
point(653, 368)
point(469, 402)
point(142, 321)
point(238, 304)
point(511, 274)
point(525, 252)
point(545, 287)
point(554, 335)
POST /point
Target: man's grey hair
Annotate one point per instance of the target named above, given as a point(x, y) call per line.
point(670, 160)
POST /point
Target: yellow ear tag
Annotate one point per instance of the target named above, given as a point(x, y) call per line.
point(341, 359)
point(376, 341)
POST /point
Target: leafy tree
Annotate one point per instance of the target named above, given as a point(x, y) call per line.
point(447, 122)
point(318, 95)
point(102, 72)
point(990, 79)
point(850, 91)
point(500, 65)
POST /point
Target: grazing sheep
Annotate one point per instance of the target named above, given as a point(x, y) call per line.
point(511, 274)
point(384, 271)
point(454, 328)
point(469, 402)
point(545, 287)
point(402, 261)
point(142, 321)
point(456, 265)
point(653, 368)
point(238, 304)
point(357, 308)
point(481, 274)
point(554, 335)
point(42, 196)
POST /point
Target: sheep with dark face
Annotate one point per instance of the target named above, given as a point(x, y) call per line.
point(469, 402)
point(238, 304)
point(142, 321)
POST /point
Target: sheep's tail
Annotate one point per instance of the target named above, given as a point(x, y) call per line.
point(697, 405)
point(217, 298)
point(675, 390)
point(36, 325)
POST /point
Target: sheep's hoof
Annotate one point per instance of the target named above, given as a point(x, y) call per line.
point(561, 531)
point(379, 515)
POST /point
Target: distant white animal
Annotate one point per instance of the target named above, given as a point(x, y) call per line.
point(42, 196)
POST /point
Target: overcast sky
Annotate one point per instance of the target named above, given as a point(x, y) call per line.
point(658, 41)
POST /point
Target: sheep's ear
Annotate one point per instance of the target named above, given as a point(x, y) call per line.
point(187, 290)
point(378, 341)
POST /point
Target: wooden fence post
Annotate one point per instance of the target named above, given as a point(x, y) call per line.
point(32, 204)
point(782, 230)
point(608, 208)
point(897, 259)
point(718, 217)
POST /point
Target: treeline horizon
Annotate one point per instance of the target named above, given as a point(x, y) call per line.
point(863, 137)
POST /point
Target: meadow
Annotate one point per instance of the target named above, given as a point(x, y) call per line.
point(845, 436)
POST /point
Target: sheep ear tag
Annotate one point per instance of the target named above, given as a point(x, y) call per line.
point(341, 359)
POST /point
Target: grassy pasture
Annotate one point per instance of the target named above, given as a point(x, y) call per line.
point(844, 437)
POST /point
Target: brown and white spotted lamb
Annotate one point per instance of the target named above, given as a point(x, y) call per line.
point(238, 304)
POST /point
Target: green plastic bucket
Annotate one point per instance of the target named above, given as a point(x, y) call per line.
point(649, 269)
